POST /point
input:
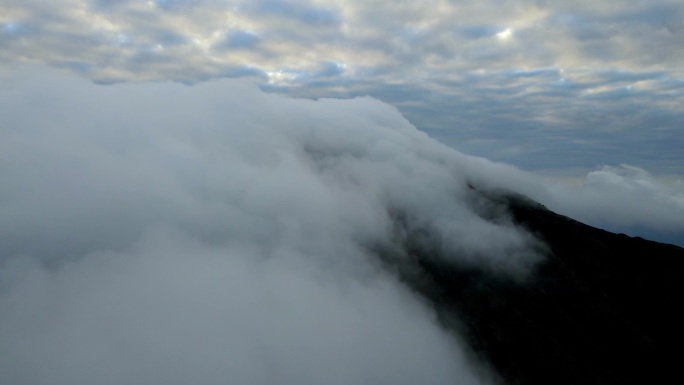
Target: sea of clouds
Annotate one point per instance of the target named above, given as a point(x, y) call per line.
point(168, 234)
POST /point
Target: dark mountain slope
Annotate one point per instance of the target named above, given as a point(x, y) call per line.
point(602, 308)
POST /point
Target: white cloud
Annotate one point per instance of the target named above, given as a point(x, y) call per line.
point(173, 309)
point(452, 67)
point(157, 233)
point(420, 38)
point(626, 199)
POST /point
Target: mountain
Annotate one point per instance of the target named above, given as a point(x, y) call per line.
point(600, 308)
point(217, 234)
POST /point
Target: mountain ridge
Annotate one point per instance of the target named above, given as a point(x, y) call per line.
point(600, 308)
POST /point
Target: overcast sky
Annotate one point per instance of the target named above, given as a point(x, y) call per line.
point(551, 86)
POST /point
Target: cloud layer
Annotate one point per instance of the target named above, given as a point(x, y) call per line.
point(543, 85)
point(424, 38)
point(625, 199)
point(160, 233)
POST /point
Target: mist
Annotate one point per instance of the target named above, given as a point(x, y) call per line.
point(166, 234)
point(625, 199)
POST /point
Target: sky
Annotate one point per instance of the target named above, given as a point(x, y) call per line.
point(555, 87)
point(223, 192)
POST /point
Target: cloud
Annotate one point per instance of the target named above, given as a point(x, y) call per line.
point(418, 38)
point(297, 10)
point(241, 39)
point(626, 199)
point(603, 88)
point(173, 309)
point(156, 233)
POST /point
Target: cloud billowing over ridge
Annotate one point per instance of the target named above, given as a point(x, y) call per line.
point(160, 233)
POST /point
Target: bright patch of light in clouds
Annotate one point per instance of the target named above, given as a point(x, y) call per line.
point(504, 35)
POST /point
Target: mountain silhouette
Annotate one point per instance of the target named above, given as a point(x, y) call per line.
point(600, 308)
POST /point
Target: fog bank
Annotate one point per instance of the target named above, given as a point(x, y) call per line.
point(163, 234)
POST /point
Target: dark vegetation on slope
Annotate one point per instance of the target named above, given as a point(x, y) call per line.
point(601, 308)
